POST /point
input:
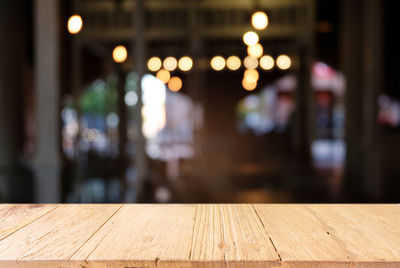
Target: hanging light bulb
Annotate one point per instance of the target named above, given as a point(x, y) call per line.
point(251, 76)
point(259, 20)
point(163, 75)
point(218, 63)
point(175, 84)
point(233, 63)
point(250, 38)
point(185, 63)
point(266, 62)
point(170, 63)
point(249, 86)
point(283, 62)
point(154, 64)
point(255, 50)
point(250, 62)
point(120, 54)
point(74, 24)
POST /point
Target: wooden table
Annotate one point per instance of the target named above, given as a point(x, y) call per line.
point(190, 235)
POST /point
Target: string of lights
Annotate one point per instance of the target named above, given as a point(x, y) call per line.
point(255, 57)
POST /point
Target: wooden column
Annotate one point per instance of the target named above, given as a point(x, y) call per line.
point(139, 48)
point(304, 102)
point(12, 49)
point(361, 62)
point(76, 82)
point(47, 162)
point(122, 130)
point(304, 123)
point(352, 66)
point(372, 173)
point(195, 81)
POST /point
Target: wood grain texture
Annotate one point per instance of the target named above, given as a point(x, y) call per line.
point(143, 236)
point(231, 235)
point(300, 238)
point(388, 213)
point(203, 235)
point(366, 239)
point(55, 236)
point(14, 217)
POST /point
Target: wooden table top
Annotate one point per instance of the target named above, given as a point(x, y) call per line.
point(199, 235)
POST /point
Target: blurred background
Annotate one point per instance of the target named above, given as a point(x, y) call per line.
point(199, 101)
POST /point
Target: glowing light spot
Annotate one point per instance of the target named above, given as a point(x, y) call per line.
point(120, 54)
point(250, 38)
point(218, 63)
point(283, 62)
point(250, 62)
point(112, 120)
point(233, 63)
point(163, 75)
point(185, 63)
point(259, 20)
point(153, 110)
point(170, 63)
point(91, 134)
point(175, 84)
point(255, 50)
point(248, 85)
point(154, 64)
point(74, 24)
point(162, 194)
point(251, 76)
point(266, 62)
point(131, 98)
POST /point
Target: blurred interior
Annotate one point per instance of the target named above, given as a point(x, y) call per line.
point(199, 101)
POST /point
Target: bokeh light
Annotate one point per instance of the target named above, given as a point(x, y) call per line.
point(153, 109)
point(131, 98)
point(255, 50)
point(175, 84)
point(218, 63)
point(250, 62)
point(267, 62)
point(74, 24)
point(250, 38)
point(248, 85)
point(283, 62)
point(259, 20)
point(185, 63)
point(251, 76)
point(120, 54)
point(170, 63)
point(233, 63)
point(154, 64)
point(112, 120)
point(163, 75)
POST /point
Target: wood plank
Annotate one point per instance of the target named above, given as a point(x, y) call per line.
point(377, 209)
point(368, 241)
point(386, 213)
point(142, 236)
point(300, 238)
point(53, 238)
point(208, 236)
point(14, 217)
point(223, 235)
point(231, 235)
